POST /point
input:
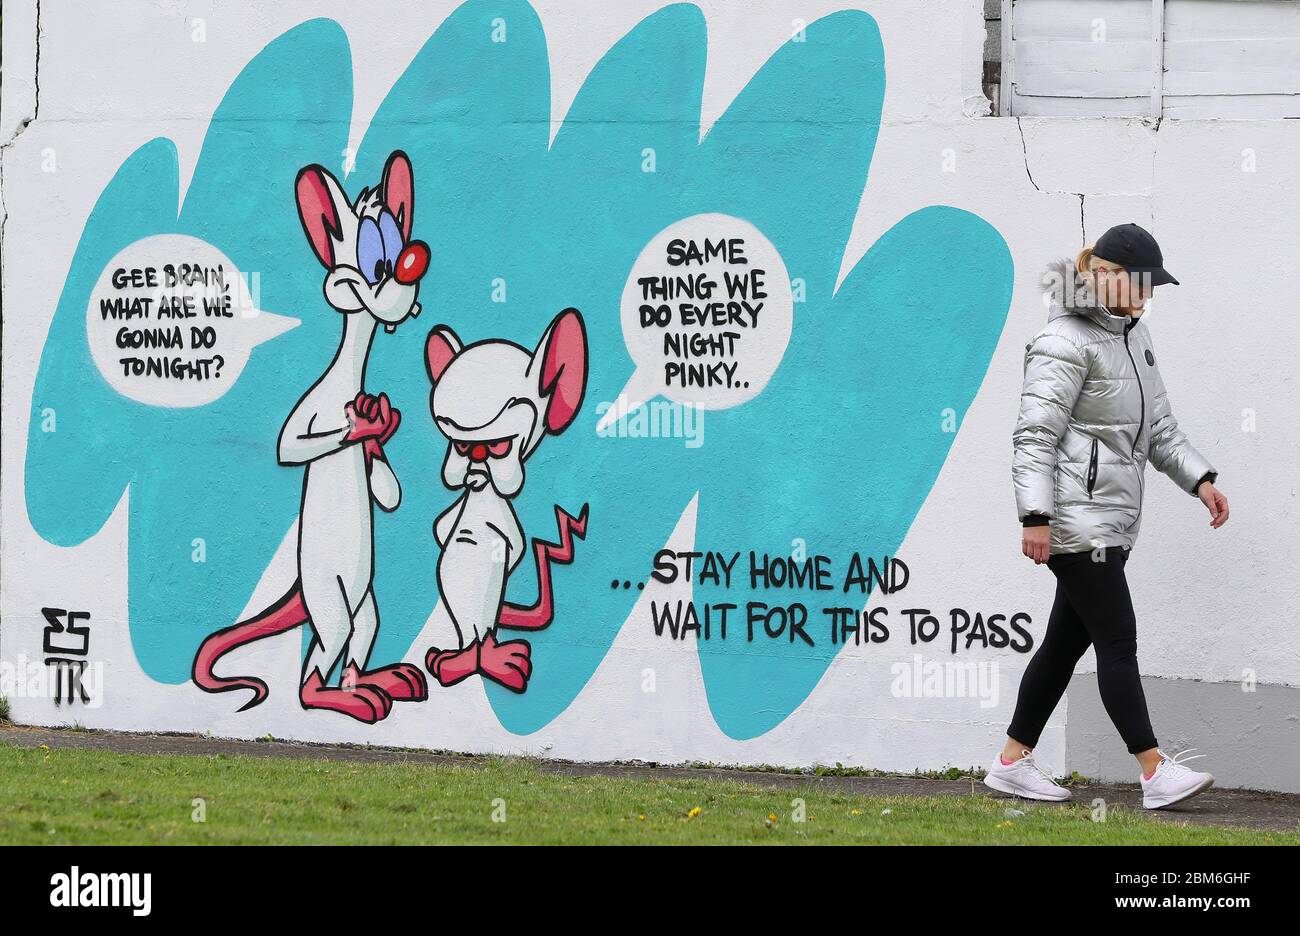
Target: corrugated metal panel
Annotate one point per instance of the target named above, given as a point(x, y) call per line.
point(1202, 19)
point(1077, 19)
point(1081, 57)
point(1232, 58)
point(1234, 107)
point(1179, 58)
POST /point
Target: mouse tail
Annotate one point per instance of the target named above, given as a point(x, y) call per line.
point(287, 613)
point(540, 614)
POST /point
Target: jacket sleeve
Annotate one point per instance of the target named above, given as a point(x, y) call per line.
point(1055, 368)
point(1171, 453)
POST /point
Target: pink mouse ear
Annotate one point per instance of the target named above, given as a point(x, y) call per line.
point(563, 376)
point(316, 210)
point(440, 348)
point(399, 191)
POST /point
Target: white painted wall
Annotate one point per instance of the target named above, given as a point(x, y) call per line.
point(1213, 606)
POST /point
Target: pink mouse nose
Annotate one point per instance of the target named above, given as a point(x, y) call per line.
point(411, 263)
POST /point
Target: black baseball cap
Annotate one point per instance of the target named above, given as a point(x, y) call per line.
point(1135, 250)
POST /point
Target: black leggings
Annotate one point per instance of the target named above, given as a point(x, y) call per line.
point(1092, 607)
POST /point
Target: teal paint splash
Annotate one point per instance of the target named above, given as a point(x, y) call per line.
point(208, 473)
point(839, 450)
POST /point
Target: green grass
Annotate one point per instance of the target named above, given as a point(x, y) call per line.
point(82, 796)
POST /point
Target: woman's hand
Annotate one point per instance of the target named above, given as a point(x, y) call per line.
point(1036, 542)
point(1215, 502)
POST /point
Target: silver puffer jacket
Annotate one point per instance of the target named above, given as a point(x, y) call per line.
point(1093, 412)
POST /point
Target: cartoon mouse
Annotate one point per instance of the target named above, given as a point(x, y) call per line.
point(494, 401)
point(337, 431)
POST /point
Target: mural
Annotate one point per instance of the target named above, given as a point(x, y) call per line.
point(707, 269)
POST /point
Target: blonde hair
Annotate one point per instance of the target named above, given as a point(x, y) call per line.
point(1086, 265)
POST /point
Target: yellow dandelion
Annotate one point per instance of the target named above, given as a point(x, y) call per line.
point(695, 811)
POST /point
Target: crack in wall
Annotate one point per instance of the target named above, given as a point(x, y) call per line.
point(36, 88)
point(18, 132)
point(1155, 150)
point(1148, 196)
point(1024, 151)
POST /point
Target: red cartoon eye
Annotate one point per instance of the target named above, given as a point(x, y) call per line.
point(500, 448)
point(461, 447)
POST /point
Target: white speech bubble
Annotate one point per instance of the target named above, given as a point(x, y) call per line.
point(707, 313)
point(171, 322)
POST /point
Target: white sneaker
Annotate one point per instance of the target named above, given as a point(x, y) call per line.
point(1173, 781)
point(1024, 778)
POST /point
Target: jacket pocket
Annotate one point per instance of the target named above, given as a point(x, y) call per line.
point(1092, 469)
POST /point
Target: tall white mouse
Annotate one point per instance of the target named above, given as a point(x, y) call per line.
point(337, 431)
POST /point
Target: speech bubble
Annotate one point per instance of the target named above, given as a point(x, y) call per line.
point(171, 322)
point(707, 313)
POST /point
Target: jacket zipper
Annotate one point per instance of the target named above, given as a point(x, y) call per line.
point(1142, 396)
point(1092, 469)
point(1142, 402)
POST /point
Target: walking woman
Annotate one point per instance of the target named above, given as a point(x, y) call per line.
point(1093, 412)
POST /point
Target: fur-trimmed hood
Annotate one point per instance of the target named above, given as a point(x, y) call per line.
point(1070, 293)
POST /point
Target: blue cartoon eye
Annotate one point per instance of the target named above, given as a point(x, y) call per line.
point(370, 252)
point(392, 235)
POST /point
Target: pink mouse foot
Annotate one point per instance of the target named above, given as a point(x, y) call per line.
point(364, 703)
point(507, 663)
point(452, 666)
point(401, 682)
